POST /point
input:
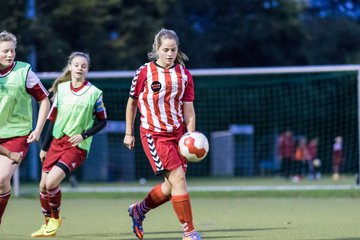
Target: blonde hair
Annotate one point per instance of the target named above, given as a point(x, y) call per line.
point(66, 74)
point(5, 36)
point(166, 34)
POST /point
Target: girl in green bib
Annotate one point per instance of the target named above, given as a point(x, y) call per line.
point(18, 85)
point(77, 113)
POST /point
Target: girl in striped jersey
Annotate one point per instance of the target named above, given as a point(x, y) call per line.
point(18, 84)
point(77, 113)
point(163, 90)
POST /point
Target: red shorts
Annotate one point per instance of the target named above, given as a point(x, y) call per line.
point(63, 153)
point(16, 144)
point(162, 151)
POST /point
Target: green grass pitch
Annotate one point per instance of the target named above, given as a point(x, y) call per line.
point(266, 216)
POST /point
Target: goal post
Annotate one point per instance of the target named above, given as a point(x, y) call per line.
point(267, 98)
point(358, 101)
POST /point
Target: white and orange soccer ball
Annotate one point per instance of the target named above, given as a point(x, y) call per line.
point(194, 146)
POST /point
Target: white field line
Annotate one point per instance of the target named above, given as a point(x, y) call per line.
point(136, 189)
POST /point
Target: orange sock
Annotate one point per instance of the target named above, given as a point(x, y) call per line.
point(154, 199)
point(182, 208)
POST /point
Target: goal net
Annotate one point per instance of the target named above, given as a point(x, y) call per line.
point(243, 112)
point(252, 108)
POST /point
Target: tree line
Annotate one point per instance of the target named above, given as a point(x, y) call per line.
point(229, 33)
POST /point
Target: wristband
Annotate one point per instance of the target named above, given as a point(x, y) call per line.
point(84, 134)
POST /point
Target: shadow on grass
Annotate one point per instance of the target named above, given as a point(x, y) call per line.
point(151, 235)
point(130, 236)
point(348, 238)
point(220, 230)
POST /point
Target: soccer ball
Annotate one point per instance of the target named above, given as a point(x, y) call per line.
point(316, 162)
point(194, 146)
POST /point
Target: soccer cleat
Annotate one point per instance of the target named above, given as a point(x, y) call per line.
point(40, 232)
point(137, 220)
point(193, 236)
point(52, 227)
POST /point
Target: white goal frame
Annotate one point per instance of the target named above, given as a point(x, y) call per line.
point(219, 72)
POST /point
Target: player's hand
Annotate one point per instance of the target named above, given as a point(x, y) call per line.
point(33, 137)
point(42, 155)
point(129, 141)
point(76, 139)
point(16, 157)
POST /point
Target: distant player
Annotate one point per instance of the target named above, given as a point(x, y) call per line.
point(301, 158)
point(313, 161)
point(337, 157)
point(163, 90)
point(77, 113)
point(18, 84)
point(285, 150)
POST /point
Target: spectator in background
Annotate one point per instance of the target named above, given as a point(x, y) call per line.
point(313, 150)
point(285, 149)
point(337, 157)
point(302, 156)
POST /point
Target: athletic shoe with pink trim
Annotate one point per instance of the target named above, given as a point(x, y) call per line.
point(137, 220)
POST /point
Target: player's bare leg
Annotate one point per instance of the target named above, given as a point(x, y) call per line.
point(7, 171)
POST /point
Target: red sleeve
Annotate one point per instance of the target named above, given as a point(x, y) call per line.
point(138, 82)
point(52, 113)
point(38, 91)
point(53, 110)
point(100, 116)
point(189, 94)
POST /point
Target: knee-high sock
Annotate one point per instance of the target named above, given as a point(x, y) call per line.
point(54, 198)
point(182, 208)
point(154, 199)
point(4, 198)
point(44, 202)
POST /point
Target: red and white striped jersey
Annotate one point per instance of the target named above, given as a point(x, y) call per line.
point(161, 93)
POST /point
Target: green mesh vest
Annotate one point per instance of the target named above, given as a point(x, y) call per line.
point(75, 111)
point(15, 103)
